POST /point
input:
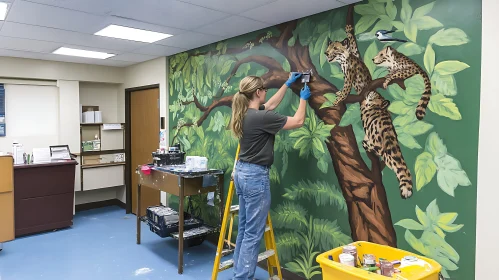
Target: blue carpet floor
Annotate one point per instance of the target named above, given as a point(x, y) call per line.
point(101, 246)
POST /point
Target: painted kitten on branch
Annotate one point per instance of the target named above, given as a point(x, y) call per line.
point(402, 67)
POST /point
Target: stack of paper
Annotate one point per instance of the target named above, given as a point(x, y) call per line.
point(41, 155)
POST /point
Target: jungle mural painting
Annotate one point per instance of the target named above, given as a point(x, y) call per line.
point(388, 151)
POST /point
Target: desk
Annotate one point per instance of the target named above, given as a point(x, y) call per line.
point(181, 184)
point(44, 196)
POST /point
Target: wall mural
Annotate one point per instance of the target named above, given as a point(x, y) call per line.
point(388, 152)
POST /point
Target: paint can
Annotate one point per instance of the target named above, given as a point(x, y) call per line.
point(369, 260)
point(386, 268)
point(350, 249)
point(347, 259)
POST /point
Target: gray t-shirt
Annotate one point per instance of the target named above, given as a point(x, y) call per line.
point(259, 129)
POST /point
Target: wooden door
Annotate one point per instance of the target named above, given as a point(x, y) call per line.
point(6, 199)
point(144, 123)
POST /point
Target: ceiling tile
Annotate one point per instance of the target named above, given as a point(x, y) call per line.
point(190, 40)
point(158, 50)
point(133, 57)
point(27, 45)
point(232, 26)
point(99, 7)
point(48, 16)
point(229, 6)
point(19, 30)
point(169, 13)
point(294, 9)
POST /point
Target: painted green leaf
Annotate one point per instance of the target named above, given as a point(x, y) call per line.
point(423, 10)
point(396, 91)
point(410, 49)
point(289, 215)
point(218, 121)
point(429, 59)
point(200, 76)
point(328, 234)
point(370, 53)
point(330, 97)
point(285, 162)
point(287, 244)
point(435, 145)
point(449, 37)
point(450, 67)
point(446, 218)
point(404, 120)
point(444, 106)
point(450, 174)
point(414, 89)
point(321, 192)
point(380, 72)
point(444, 84)
point(285, 66)
point(408, 141)
point(323, 46)
point(423, 219)
point(451, 228)
point(438, 231)
point(432, 211)
point(415, 243)
point(427, 23)
point(322, 165)
point(379, 8)
point(399, 25)
point(274, 175)
point(411, 31)
point(243, 70)
point(406, 12)
point(382, 25)
point(365, 22)
point(303, 31)
point(410, 224)
point(318, 145)
point(438, 246)
point(391, 10)
point(292, 41)
point(226, 67)
point(365, 9)
point(425, 170)
point(416, 128)
point(351, 115)
point(326, 104)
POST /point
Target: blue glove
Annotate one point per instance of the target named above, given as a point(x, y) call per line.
point(292, 78)
point(305, 93)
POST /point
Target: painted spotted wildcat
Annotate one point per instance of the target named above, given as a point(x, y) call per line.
point(381, 139)
point(356, 73)
point(402, 67)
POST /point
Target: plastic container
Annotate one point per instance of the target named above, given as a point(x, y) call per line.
point(332, 270)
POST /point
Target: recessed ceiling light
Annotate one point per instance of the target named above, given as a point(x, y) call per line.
point(133, 34)
point(82, 53)
point(4, 7)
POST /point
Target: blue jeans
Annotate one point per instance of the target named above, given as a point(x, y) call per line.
point(253, 189)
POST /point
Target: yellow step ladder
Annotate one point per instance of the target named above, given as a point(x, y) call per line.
point(270, 253)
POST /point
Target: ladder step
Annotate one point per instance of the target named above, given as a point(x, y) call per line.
point(230, 263)
point(267, 228)
point(234, 208)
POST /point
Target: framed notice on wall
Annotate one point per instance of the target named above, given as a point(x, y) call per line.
point(2, 111)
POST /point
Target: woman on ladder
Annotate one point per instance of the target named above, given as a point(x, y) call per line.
point(255, 125)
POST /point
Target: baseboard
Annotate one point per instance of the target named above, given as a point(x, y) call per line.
point(100, 204)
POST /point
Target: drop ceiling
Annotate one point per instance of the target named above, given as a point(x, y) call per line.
point(35, 28)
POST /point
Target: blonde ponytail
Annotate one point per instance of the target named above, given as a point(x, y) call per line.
point(240, 103)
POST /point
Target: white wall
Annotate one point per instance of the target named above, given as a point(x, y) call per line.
point(31, 116)
point(144, 74)
point(103, 95)
point(487, 244)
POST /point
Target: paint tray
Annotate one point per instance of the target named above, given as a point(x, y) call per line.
point(333, 269)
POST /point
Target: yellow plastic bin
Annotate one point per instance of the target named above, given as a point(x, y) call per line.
point(334, 270)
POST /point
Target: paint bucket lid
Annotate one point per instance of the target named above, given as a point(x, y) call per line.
point(346, 258)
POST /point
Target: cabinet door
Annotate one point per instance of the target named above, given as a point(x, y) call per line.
point(6, 174)
point(6, 217)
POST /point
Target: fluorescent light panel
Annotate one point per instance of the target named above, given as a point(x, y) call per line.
point(82, 53)
point(133, 34)
point(4, 7)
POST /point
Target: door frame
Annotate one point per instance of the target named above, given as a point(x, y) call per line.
point(128, 142)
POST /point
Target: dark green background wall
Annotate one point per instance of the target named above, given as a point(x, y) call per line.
point(308, 207)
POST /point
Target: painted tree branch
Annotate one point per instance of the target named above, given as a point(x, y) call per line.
point(196, 101)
